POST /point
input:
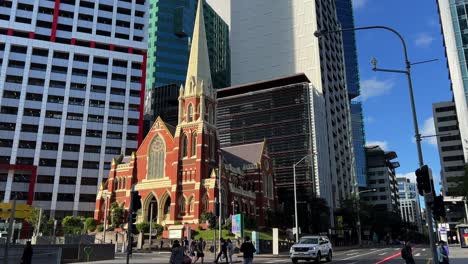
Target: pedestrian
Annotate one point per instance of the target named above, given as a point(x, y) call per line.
point(407, 253)
point(161, 244)
point(230, 250)
point(200, 248)
point(222, 250)
point(446, 247)
point(442, 254)
point(186, 244)
point(27, 254)
point(177, 253)
point(248, 249)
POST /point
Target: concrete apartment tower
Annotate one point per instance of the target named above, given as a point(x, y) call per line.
point(270, 39)
point(410, 208)
point(71, 87)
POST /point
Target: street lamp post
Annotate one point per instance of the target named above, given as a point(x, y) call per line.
point(407, 71)
point(151, 223)
point(295, 197)
point(105, 219)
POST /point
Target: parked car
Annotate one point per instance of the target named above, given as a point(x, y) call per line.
point(311, 248)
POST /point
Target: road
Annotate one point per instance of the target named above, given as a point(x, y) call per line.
point(353, 256)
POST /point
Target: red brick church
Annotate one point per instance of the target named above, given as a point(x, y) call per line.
point(175, 169)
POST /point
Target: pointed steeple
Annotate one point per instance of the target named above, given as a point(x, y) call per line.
point(198, 80)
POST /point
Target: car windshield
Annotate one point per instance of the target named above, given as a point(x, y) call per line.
point(308, 240)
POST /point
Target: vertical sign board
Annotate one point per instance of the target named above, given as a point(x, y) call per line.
point(463, 232)
point(238, 225)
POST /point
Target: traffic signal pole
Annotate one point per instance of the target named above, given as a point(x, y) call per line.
point(129, 227)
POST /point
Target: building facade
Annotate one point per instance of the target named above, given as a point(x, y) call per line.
point(170, 32)
point(344, 11)
point(269, 40)
point(381, 176)
point(289, 114)
point(71, 81)
point(454, 22)
point(178, 171)
point(452, 160)
point(410, 209)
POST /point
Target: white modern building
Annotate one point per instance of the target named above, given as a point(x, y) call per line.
point(452, 159)
point(71, 77)
point(410, 208)
point(454, 22)
point(270, 39)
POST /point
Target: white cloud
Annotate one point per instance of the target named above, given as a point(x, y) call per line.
point(423, 40)
point(409, 175)
point(357, 4)
point(428, 129)
point(382, 144)
point(373, 87)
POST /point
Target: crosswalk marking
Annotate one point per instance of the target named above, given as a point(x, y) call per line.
point(381, 254)
point(396, 249)
point(417, 254)
point(423, 249)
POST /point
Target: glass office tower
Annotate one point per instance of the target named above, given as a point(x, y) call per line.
point(344, 10)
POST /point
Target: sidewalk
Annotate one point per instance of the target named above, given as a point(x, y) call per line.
point(458, 255)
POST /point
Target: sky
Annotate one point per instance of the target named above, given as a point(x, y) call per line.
point(385, 96)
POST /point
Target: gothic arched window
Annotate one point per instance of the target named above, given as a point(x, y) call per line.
point(193, 148)
point(156, 160)
point(182, 204)
point(191, 205)
point(190, 113)
point(184, 146)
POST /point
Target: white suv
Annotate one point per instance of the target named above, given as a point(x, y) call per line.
point(311, 248)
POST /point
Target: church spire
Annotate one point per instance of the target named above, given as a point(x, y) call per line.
point(198, 80)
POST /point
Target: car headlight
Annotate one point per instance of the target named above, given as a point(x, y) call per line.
point(312, 249)
point(291, 250)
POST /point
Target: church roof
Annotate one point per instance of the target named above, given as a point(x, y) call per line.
point(245, 154)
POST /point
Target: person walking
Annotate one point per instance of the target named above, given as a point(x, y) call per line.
point(222, 251)
point(248, 249)
point(200, 248)
point(27, 254)
point(442, 255)
point(177, 253)
point(407, 253)
point(230, 250)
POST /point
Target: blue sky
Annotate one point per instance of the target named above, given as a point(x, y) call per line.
point(385, 96)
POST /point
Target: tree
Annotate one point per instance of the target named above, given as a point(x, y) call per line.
point(157, 228)
point(117, 215)
point(72, 225)
point(90, 224)
point(33, 219)
point(211, 218)
point(318, 214)
point(143, 227)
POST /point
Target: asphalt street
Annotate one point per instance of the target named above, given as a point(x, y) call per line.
point(353, 256)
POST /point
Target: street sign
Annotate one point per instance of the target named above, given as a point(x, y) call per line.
point(21, 211)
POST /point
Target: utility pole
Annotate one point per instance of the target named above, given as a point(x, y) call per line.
point(38, 229)
point(105, 219)
point(220, 199)
point(10, 229)
point(129, 227)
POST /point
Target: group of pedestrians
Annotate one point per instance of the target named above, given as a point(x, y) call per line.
point(191, 252)
point(442, 253)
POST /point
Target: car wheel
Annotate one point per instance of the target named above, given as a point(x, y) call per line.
point(294, 260)
point(329, 256)
point(319, 258)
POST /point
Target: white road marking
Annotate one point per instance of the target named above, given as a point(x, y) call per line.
point(372, 252)
point(417, 254)
point(350, 254)
point(381, 254)
point(423, 249)
point(396, 249)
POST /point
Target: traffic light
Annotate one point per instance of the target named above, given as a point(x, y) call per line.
point(423, 180)
point(136, 201)
point(216, 207)
point(438, 207)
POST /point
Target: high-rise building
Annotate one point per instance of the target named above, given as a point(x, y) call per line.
point(170, 32)
point(272, 39)
point(287, 113)
point(381, 176)
point(454, 22)
point(344, 11)
point(71, 81)
point(410, 209)
point(451, 157)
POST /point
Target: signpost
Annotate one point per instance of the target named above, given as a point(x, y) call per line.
point(21, 211)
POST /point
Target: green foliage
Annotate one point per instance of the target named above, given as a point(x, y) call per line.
point(72, 225)
point(143, 227)
point(157, 229)
point(228, 224)
point(200, 228)
point(117, 215)
point(100, 228)
point(90, 224)
point(211, 218)
point(33, 219)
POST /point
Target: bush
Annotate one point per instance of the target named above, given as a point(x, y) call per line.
point(143, 227)
point(157, 228)
point(72, 225)
point(90, 224)
point(100, 228)
point(211, 218)
point(200, 228)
